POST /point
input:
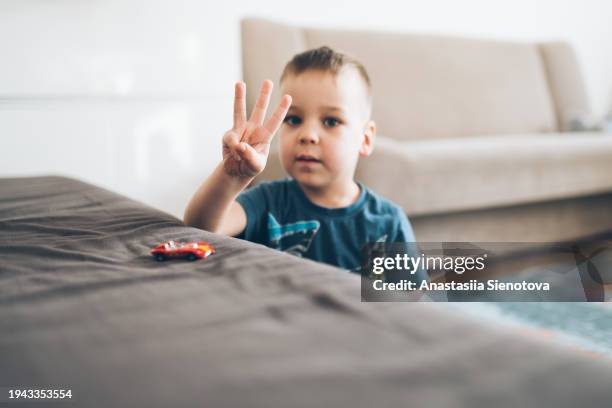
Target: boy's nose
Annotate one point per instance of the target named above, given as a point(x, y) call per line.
point(308, 137)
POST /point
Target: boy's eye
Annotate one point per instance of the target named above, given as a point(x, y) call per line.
point(292, 120)
point(331, 122)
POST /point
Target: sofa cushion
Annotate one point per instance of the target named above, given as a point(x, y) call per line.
point(435, 86)
point(446, 175)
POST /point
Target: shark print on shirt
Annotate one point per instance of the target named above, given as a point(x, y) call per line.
point(294, 238)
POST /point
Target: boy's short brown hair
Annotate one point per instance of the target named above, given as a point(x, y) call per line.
point(327, 60)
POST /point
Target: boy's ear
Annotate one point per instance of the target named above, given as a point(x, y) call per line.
point(367, 144)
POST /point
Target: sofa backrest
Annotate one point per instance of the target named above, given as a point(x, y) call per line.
point(428, 86)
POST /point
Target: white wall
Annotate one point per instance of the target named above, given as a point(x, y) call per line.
point(135, 95)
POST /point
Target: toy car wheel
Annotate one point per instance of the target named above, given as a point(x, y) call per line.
point(160, 257)
point(191, 257)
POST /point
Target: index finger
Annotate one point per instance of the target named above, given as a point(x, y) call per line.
point(239, 105)
point(275, 120)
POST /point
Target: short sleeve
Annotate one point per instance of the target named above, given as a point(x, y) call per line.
point(405, 234)
point(255, 205)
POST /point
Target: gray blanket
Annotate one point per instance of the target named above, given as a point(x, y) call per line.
point(83, 306)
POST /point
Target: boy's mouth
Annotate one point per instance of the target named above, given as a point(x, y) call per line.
point(306, 158)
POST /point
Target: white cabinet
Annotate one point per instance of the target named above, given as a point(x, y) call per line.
point(131, 95)
point(156, 151)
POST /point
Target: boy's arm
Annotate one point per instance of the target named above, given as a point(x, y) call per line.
point(245, 153)
point(213, 206)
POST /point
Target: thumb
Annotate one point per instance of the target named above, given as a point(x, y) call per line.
point(231, 143)
point(256, 161)
point(231, 139)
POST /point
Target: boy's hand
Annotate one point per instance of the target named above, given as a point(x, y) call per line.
point(247, 144)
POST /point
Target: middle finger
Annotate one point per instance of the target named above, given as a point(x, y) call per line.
point(259, 111)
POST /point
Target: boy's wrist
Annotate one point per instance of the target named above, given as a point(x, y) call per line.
point(234, 180)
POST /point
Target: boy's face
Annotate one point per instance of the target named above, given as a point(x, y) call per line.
point(326, 129)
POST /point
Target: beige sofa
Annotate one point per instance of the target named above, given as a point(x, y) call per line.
point(472, 133)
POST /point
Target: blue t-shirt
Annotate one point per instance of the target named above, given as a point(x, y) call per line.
point(279, 215)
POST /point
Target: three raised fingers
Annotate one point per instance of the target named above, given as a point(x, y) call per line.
point(259, 111)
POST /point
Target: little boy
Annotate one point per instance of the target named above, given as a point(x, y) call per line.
point(320, 212)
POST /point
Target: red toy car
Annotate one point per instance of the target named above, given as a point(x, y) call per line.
point(189, 250)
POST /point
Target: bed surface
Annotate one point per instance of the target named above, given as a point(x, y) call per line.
point(84, 306)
